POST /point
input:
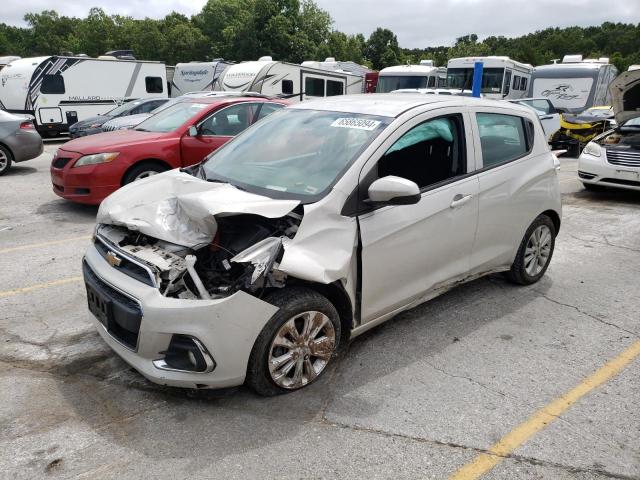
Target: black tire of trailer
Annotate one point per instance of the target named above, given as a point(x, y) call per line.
point(135, 170)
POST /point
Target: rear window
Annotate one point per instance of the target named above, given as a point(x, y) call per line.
point(154, 84)
point(53, 84)
point(503, 137)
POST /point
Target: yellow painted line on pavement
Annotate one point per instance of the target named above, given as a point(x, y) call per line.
point(543, 417)
point(55, 283)
point(43, 244)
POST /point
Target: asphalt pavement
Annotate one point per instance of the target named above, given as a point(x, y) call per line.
point(534, 382)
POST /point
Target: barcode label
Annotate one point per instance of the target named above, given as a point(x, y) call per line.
point(359, 123)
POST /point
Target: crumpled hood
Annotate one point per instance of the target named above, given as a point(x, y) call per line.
point(180, 208)
point(625, 94)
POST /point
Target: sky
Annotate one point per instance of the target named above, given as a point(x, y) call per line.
point(417, 23)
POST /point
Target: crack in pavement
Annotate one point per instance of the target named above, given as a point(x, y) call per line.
point(586, 314)
point(517, 458)
point(606, 242)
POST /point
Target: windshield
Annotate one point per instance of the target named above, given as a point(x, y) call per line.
point(295, 154)
point(125, 107)
point(460, 78)
point(633, 123)
point(171, 118)
point(388, 84)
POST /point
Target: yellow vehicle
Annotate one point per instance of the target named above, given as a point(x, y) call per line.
point(576, 130)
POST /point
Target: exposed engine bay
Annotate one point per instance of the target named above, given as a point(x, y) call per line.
point(622, 138)
point(244, 255)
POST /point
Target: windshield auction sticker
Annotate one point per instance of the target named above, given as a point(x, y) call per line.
point(358, 123)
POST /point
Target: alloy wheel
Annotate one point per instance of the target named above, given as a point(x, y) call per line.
point(301, 349)
point(538, 250)
point(4, 160)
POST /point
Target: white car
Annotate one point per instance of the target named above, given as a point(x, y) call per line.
point(311, 227)
point(613, 158)
point(548, 115)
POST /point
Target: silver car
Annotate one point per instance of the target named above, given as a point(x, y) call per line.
point(19, 140)
point(316, 224)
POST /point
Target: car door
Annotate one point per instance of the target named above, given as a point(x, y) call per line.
point(215, 130)
point(408, 250)
point(509, 179)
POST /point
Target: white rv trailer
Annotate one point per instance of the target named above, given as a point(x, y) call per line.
point(330, 63)
point(196, 76)
point(287, 80)
point(4, 61)
point(575, 84)
point(501, 76)
point(400, 77)
point(60, 91)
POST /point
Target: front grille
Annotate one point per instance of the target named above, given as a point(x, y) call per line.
point(120, 314)
point(125, 266)
point(60, 162)
point(624, 158)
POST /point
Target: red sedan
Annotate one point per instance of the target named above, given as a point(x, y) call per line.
point(87, 169)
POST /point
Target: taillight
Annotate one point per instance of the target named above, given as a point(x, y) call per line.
point(27, 126)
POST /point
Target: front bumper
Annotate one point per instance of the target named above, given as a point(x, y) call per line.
point(227, 328)
point(597, 171)
point(89, 184)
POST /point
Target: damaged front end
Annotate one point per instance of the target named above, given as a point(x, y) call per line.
point(244, 255)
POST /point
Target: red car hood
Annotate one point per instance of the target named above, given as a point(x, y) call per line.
point(110, 141)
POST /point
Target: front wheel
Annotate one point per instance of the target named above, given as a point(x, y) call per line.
point(534, 253)
point(296, 345)
point(143, 170)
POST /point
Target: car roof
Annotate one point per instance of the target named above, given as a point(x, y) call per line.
point(393, 104)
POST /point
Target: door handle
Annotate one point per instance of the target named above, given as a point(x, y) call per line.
point(460, 200)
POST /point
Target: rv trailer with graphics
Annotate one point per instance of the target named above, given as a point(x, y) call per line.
point(196, 76)
point(288, 80)
point(60, 91)
point(576, 84)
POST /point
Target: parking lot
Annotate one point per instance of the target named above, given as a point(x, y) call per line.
point(425, 395)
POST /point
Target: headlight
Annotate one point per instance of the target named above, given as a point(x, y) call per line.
point(95, 159)
point(592, 149)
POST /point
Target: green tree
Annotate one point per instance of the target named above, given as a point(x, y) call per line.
point(382, 48)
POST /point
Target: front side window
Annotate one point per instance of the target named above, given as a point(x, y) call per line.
point(296, 154)
point(172, 117)
point(460, 78)
point(154, 84)
point(52, 84)
point(314, 87)
point(428, 154)
point(334, 88)
point(502, 138)
point(229, 121)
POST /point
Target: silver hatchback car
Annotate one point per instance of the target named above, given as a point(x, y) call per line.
point(313, 226)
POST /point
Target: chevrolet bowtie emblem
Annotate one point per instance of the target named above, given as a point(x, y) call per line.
point(113, 260)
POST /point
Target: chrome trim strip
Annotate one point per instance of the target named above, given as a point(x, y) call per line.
point(130, 258)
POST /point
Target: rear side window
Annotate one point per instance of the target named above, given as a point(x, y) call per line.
point(428, 154)
point(503, 137)
point(267, 109)
point(516, 82)
point(334, 88)
point(314, 87)
point(154, 84)
point(287, 87)
point(524, 83)
point(53, 84)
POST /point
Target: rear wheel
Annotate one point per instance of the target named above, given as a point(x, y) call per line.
point(296, 345)
point(5, 160)
point(143, 170)
point(534, 253)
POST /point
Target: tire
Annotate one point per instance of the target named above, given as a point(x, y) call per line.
point(5, 160)
point(297, 306)
point(523, 271)
point(143, 170)
point(592, 188)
